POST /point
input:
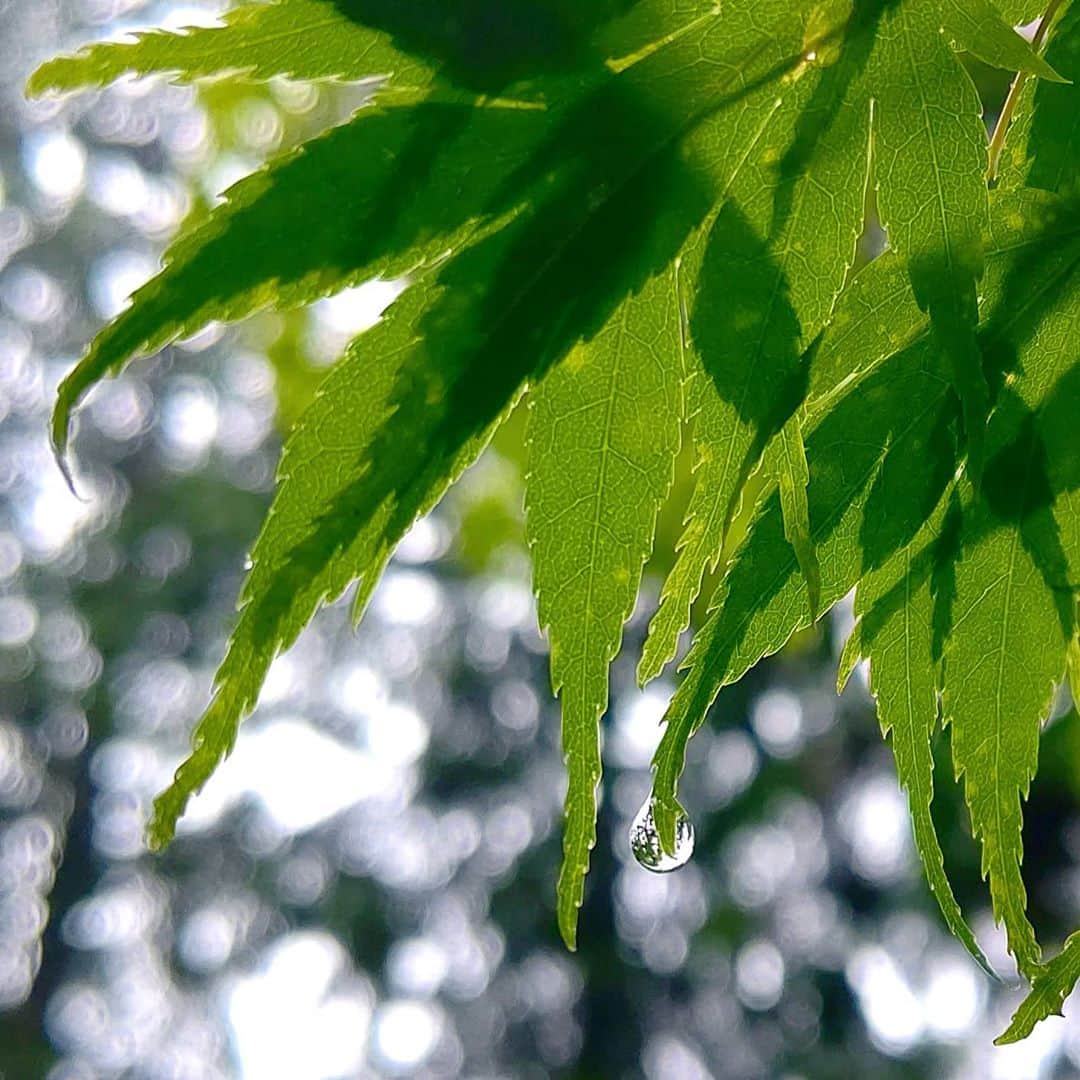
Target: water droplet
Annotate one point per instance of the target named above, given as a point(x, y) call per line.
point(645, 842)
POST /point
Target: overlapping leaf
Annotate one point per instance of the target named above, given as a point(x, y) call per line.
point(586, 199)
point(896, 609)
point(334, 213)
point(1013, 604)
point(786, 237)
point(1044, 145)
point(866, 502)
point(775, 259)
point(651, 159)
point(500, 313)
point(858, 453)
point(589, 532)
point(1001, 608)
point(379, 195)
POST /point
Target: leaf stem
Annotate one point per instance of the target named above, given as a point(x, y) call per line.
point(1001, 128)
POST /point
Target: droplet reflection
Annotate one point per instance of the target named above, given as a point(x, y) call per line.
point(646, 846)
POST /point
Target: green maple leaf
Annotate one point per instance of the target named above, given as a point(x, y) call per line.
point(896, 609)
point(468, 337)
point(604, 432)
point(1049, 989)
point(859, 440)
point(860, 446)
point(298, 39)
point(508, 289)
point(646, 213)
point(1044, 143)
point(1013, 613)
point(333, 214)
point(785, 240)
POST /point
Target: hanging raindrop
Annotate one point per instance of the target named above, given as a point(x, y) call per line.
point(645, 842)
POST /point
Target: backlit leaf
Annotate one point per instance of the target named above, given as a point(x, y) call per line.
point(604, 432)
point(895, 632)
point(1049, 989)
point(862, 372)
point(1012, 612)
point(300, 39)
point(644, 214)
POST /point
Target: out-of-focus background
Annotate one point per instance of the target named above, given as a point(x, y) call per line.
point(366, 889)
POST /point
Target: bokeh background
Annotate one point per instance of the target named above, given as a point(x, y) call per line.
point(366, 889)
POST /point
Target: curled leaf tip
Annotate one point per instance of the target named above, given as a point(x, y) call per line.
point(63, 461)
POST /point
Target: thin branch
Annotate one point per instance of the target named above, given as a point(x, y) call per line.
point(1001, 128)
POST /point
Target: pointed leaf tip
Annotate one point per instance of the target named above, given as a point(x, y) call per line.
point(1052, 984)
point(39, 82)
point(60, 438)
point(161, 829)
point(601, 462)
point(568, 929)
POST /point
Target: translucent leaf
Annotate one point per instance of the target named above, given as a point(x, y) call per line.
point(1050, 987)
point(586, 198)
point(859, 454)
point(391, 190)
point(930, 155)
point(978, 27)
point(1012, 612)
point(877, 402)
point(300, 39)
point(895, 632)
point(785, 239)
point(604, 431)
point(457, 350)
point(379, 195)
point(774, 262)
